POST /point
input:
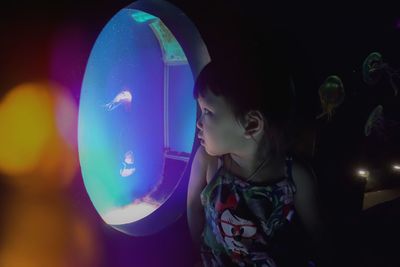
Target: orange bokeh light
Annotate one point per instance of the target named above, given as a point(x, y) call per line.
point(47, 232)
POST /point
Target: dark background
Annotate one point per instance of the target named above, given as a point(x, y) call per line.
point(331, 38)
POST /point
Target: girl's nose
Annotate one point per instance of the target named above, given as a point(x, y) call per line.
point(199, 124)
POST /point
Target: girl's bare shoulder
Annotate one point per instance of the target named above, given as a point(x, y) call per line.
point(213, 163)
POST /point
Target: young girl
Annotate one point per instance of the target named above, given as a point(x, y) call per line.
point(246, 188)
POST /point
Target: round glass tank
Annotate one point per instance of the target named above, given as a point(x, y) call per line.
point(137, 116)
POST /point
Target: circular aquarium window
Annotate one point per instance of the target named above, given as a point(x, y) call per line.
point(137, 116)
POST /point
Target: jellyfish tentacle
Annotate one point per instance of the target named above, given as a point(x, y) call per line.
point(320, 115)
point(394, 86)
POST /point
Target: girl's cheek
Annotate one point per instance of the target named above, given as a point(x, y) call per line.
point(207, 125)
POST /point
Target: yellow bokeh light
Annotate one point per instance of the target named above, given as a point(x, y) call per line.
point(32, 143)
point(26, 122)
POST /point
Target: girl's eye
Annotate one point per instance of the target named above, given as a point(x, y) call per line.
point(207, 112)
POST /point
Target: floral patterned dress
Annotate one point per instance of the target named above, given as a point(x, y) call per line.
point(246, 221)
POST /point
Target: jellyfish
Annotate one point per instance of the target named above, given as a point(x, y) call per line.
point(129, 157)
point(331, 94)
point(374, 68)
point(376, 123)
point(124, 97)
point(127, 169)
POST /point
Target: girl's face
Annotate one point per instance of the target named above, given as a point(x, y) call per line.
point(218, 128)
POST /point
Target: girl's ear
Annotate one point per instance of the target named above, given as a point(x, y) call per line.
point(254, 123)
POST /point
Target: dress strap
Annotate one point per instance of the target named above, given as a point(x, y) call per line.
point(220, 161)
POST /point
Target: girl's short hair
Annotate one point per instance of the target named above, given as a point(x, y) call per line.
point(256, 76)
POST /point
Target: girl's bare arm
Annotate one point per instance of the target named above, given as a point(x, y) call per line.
point(197, 182)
